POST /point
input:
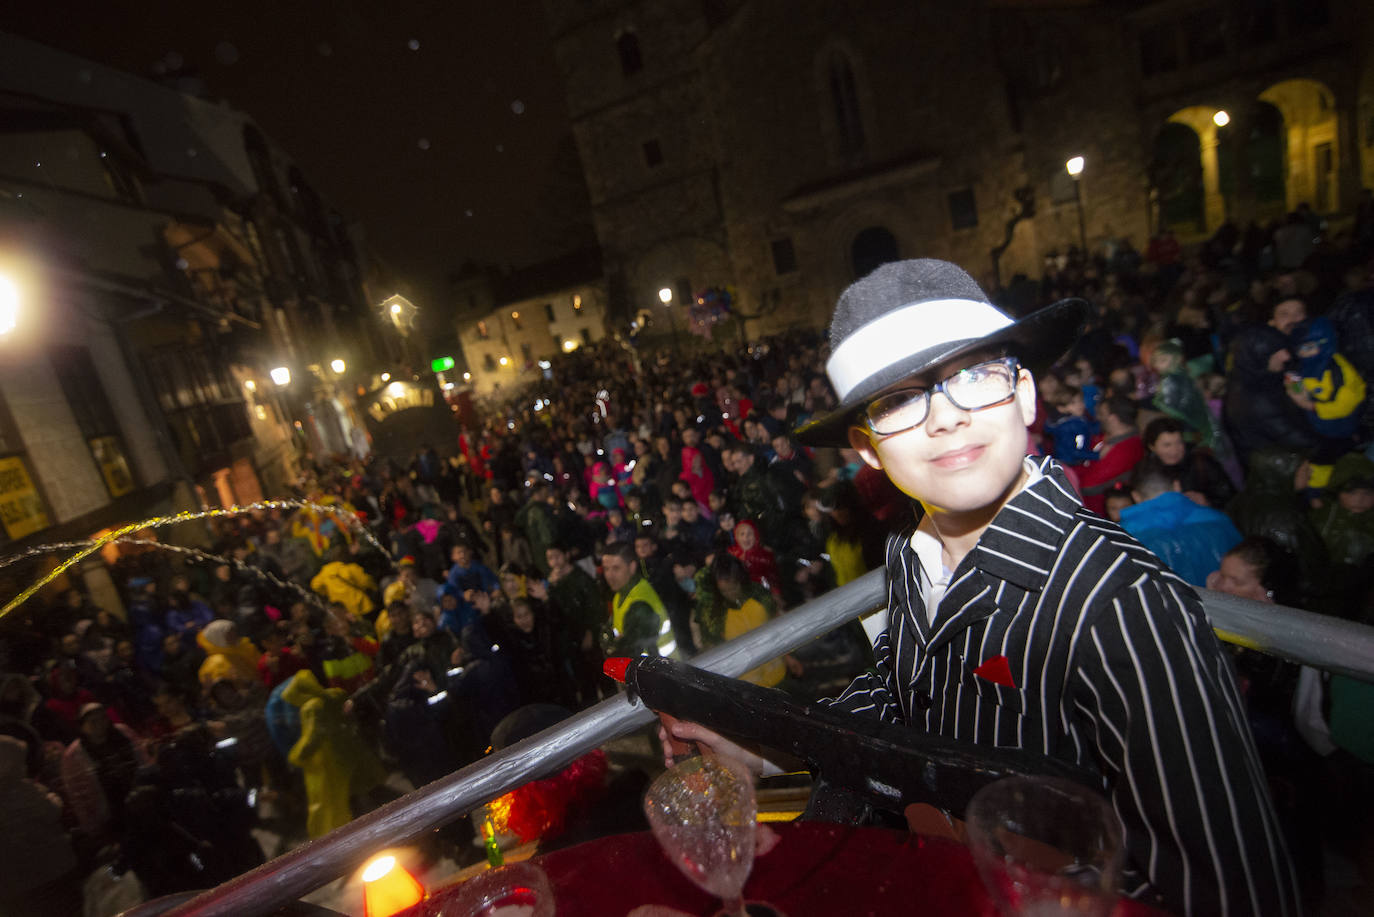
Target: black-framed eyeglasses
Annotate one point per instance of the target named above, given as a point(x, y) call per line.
point(973, 388)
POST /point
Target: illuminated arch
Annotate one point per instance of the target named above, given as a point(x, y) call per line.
point(1181, 180)
point(1176, 173)
point(1311, 142)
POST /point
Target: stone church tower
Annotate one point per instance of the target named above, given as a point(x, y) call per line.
point(786, 147)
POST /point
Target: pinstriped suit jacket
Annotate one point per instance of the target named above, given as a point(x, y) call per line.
point(1115, 668)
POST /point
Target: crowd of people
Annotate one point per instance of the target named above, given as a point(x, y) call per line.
point(1215, 408)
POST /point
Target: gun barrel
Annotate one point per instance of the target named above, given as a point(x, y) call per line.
point(890, 765)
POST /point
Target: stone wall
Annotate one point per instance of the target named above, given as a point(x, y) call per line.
point(803, 123)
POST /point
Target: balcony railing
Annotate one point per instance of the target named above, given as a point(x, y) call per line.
point(1329, 643)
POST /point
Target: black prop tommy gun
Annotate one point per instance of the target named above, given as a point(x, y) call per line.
point(859, 765)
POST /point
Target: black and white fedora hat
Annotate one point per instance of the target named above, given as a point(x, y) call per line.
point(908, 316)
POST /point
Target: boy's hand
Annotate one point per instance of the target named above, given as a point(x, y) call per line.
point(708, 741)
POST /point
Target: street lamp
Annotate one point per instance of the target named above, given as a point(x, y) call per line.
point(337, 366)
point(1221, 118)
point(665, 296)
point(281, 375)
point(1075, 169)
point(9, 305)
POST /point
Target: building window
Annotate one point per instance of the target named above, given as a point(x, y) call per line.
point(85, 393)
point(684, 291)
point(586, 335)
point(1206, 36)
point(844, 97)
point(482, 331)
point(784, 256)
point(548, 312)
point(1159, 50)
point(653, 154)
point(963, 210)
point(23, 510)
point(526, 352)
point(872, 248)
point(488, 363)
point(631, 60)
point(1308, 14)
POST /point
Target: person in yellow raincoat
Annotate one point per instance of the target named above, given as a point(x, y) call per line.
point(336, 763)
point(345, 582)
point(748, 605)
point(227, 655)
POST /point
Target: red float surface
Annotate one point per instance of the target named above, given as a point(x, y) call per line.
point(816, 870)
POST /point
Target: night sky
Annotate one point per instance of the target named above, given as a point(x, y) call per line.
point(440, 127)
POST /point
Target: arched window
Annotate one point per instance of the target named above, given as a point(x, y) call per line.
point(871, 248)
point(1176, 174)
point(260, 161)
point(844, 98)
point(631, 61)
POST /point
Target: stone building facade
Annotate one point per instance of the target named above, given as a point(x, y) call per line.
point(165, 257)
point(787, 146)
point(510, 323)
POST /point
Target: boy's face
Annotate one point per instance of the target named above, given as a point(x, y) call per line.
point(1115, 504)
point(1356, 500)
point(1076, 407)
point(1169, 448)
point(955, 461)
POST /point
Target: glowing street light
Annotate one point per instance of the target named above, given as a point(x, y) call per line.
point(665, 296)
point(386, 377)
point(395, 308)
point(1221, 118)
point(1075, 169)
point(504, 361)
point(281, 375)
point(337, 366)
point(9, 305)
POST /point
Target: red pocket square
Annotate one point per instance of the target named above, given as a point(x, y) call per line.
point(996, 670)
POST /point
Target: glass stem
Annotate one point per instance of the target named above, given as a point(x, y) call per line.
point(734, 907)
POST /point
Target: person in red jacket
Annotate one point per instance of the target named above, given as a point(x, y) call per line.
point(1120, 449)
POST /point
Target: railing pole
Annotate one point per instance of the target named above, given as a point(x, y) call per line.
point(1312, 639)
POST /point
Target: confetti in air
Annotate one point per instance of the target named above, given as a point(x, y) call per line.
point(345, 517)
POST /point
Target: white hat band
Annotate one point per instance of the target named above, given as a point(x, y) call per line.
point(889, 338)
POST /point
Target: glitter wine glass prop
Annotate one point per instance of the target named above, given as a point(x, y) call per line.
point(703, 814)
point(517, 890)
point(1045, 847)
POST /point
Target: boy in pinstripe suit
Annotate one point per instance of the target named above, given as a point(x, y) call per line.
point(1017, 618)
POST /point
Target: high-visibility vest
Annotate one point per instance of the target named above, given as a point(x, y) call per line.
point(643, 592)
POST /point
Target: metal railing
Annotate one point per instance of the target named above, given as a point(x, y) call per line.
point(1339, 646)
